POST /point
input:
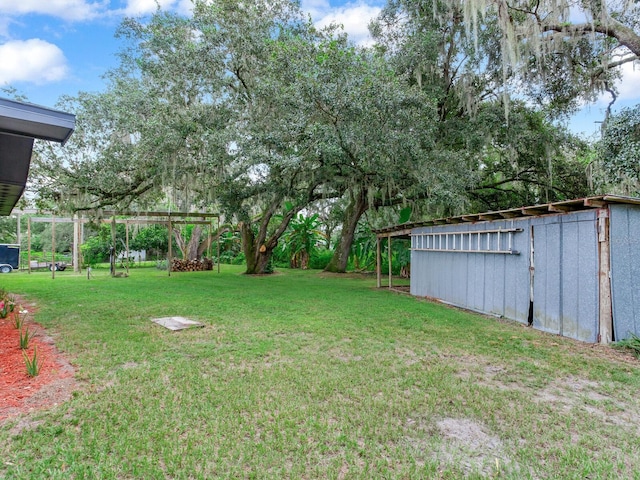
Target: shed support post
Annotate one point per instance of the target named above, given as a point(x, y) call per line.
point(604, 269)
point(378, 263)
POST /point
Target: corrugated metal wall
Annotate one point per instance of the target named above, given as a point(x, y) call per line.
point(625, 269)
point(565, 275)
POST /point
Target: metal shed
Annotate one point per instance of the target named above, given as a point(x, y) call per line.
point(571, 268)
point(20, 124)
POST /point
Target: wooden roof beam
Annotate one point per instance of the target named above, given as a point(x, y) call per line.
point(533, 211)
point(561, 208)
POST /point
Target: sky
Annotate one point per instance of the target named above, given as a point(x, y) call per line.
point(50, 48)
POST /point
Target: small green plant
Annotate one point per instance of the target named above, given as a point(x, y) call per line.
point(33, 364)
point(18, 318)
point(25, 337)
point(632, 343)
point(11, 302)
point(4, 308)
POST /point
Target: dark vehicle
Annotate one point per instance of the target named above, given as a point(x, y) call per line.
point(9, 257)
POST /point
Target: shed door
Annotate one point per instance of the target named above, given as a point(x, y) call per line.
point(564, 277)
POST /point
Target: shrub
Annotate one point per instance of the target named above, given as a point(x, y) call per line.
point(320, 259)
point(632, 344)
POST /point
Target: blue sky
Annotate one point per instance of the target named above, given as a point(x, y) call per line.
point(49, 48)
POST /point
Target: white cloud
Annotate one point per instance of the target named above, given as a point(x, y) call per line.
point(629, 87)
point(354, 17)
point(143, 7)
point(73, 10)
point(34, 61)
point(317, 8)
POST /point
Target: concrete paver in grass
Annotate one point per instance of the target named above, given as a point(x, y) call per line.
point(177, 323)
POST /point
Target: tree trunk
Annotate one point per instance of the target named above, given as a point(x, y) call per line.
point(258, 248)
point(207, 242)
point(357, 207)
point(256, 252)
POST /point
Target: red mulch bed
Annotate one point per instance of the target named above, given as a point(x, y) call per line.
point(20, 393)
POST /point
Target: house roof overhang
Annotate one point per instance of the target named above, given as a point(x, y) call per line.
point(20, 124)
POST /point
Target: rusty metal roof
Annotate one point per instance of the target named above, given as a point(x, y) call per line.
point(564, 206)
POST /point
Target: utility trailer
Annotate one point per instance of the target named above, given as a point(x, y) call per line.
point(9, 257)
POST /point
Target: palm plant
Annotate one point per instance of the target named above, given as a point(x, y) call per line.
point(301, 239)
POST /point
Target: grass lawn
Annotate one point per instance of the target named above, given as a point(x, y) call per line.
point(306, 375)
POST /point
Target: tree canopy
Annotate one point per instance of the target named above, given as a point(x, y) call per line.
point(250, 109)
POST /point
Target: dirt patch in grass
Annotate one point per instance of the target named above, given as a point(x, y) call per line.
point(569, 393)
point(20, 393)
point(466, 442)
point(461, 443)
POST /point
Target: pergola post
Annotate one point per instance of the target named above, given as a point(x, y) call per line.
point(169, 253)
point(378, 263)
point(53, 247)
point(389, 257)
point(18, 235)
point(76, 243)
point(29, 244)
point(126, 227)
point(218, 245)
point(113, 246)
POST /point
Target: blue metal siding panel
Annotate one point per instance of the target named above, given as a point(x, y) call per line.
point(580, 280)
point(546, 315)
point(492, 283)
point(518, 301)
point(570, 280)
point(588, 279)
point(625, 269)
point(495, 302)
point(566, 283)
point(566, 275)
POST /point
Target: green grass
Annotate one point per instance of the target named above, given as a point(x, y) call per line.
point(304, 375)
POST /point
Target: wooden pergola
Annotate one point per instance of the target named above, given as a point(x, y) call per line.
point(389, 235)
point(170, 219)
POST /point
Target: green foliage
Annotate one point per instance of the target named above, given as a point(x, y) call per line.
point(25, 337)
point(152, 238)
point(320, 258)
point(8, 230)
point(33, 364)
point(18, 318)
point(631, 344)
point(63, 237)
point(363, 249)
point(620, 151)
point(301, 240)
point(239, 259)
point(405, 215)
point(527, 160)
point(7, 304)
